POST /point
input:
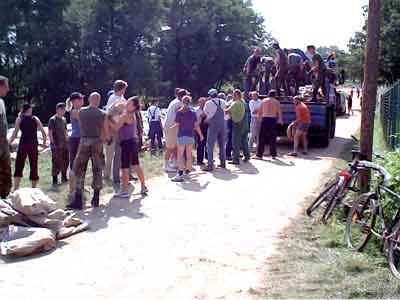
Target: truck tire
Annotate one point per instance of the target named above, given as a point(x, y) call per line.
point(333, 125)
point(324, 140)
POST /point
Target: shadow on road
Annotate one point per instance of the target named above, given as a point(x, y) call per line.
point(115, 208)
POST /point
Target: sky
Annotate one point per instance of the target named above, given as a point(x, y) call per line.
point(298, 23)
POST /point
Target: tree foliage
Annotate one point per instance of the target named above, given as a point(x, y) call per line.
point(389, 60)
point(50, 48)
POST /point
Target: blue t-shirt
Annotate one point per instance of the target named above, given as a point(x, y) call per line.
point(186, 121)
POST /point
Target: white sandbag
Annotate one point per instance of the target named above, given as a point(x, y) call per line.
point(24, 241)
point(32, 202)
point(66, 232)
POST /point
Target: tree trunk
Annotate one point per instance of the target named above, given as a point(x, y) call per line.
point(370, 85)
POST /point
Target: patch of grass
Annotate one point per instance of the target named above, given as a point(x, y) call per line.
point(151, 164)
point(313, 262)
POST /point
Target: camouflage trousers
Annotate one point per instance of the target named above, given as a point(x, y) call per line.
point(59, 159)
point(89, 149)
point(5, 174)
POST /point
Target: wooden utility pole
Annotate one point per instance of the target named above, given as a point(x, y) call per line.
point(370, 83)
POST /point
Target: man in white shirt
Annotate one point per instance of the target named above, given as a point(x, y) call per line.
point(215, 112)
point(113, 149)
point(171, 134)
point(155, 126)
point(255, 124)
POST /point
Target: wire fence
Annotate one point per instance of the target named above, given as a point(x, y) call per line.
point(390, 116)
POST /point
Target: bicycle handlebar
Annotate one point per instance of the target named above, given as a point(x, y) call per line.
point(381, 170)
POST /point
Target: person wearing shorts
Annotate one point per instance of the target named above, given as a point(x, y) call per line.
point(28, 145)
point(171, 132)
point(186, 122)
point(302, 123)
point(128, 137)
point(350, 105)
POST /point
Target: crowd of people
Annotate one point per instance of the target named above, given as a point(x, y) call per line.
point(111, 138)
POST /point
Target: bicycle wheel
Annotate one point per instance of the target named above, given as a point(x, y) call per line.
point(394, 255)
point(337, 198)
point(325, 196)
point(360, 220)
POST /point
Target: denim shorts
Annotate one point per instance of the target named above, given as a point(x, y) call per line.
point(185, 140)
point(302, 127)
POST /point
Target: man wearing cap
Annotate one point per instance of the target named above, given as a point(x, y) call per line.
point(214, 111)
point(59, 144)
point(281, 63)
point(5, 160)
point(171, 134)
point(94, 130)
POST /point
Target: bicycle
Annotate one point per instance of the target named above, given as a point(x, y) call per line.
point(339, 187)
point(361, 221)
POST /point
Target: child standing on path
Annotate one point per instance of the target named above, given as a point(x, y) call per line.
point(28, 145)
point(187, 122)
point(127, 128)
point(59, 144)
point(155, 125)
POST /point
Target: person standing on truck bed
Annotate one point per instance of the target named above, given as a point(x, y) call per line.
point(271, 114)
point(282, 67)
point(251, 70)
point(295, 69)
point(320, 71)
point(267, 64)
point(302, 123)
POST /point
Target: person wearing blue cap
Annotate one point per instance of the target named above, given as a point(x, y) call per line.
point(214, 111)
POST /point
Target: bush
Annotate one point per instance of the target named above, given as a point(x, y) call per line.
point(392, 164)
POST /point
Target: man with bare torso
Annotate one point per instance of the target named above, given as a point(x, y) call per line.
point(271, 114)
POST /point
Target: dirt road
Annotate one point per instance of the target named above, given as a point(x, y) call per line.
point(206, 239)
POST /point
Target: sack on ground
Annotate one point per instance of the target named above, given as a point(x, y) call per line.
point(32, 202)
point(23, 241)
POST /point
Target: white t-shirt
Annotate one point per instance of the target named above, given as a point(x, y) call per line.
point(173, 107)
point(113, 100)
point(154, 113)
point(254, 105)
point(211, 108)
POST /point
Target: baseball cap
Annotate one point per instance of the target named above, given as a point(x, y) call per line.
point(212, 92)
point(60, 105)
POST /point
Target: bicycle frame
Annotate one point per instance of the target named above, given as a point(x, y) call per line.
point(387, 232)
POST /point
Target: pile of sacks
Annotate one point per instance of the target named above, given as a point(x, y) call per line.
point(31, 223)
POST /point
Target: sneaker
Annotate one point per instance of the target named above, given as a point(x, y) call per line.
point(222, 166)
point(305, 153)
point(236, 163)
point(186, 174)
point(177, 178)
point(294, 154)
point(124, 195)
point(144, 190)
point(169, 169)
point(207, 169)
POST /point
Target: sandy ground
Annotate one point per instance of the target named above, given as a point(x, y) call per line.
point(208, 238)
